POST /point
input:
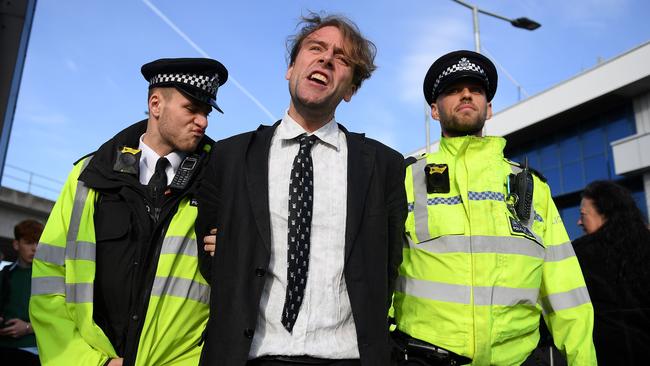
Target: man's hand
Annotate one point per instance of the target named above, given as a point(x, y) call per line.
point(16, 328)
point(115, 362)
point(210, 242)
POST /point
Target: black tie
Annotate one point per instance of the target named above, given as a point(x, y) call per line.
point(301, 185)
point(158, 181)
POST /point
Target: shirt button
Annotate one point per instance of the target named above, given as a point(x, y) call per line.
point(248, 333)
point(260, 272)
point(134, 317)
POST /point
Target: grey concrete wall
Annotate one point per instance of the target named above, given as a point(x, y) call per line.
point(16, 206)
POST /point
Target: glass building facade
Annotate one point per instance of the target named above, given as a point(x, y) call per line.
point(578, 154)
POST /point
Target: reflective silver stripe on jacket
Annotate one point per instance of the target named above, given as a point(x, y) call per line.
point(85, 251)
point(556, 253)
point(79, 292)
point(73, 249)
point(565, 300)
point(74, 292)
point(437, 291)
point(181, 287)
point(48, 285)
point(50, 253)
point(179, 245)
point(433, 290)
point(420, 212)
point(506, 296)
point(481, 244)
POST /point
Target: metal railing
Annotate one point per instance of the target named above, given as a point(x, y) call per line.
point(30, 182)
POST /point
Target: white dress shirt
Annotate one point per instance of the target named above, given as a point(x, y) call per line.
point(149, 158)
point(325, 326)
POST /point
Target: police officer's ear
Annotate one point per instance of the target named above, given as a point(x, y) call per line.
point(155, 103)
point(436, 115)
point(489, 111)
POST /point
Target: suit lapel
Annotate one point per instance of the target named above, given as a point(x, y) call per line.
point(257, 179)
point(360, 162)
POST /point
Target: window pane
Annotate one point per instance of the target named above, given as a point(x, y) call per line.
point(572, 180)
point(620, 126)
point(594, 142)
point(570, 217)
point(553, 177)
point(549, 156)
point(596, 168)
point(570, 149)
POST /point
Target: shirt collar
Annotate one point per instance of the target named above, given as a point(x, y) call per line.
point(289, 129)
point(150, 157)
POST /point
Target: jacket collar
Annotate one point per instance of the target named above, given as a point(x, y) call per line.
point(488, 146)
point(99, 173)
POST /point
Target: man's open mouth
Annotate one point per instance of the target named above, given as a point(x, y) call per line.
point(319, 78)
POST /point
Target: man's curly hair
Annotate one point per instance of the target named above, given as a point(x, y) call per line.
point(360, 51)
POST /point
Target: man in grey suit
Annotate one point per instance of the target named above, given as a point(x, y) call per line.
point(310, 221)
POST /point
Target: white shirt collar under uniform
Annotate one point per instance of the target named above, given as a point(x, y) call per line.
point(149, 158)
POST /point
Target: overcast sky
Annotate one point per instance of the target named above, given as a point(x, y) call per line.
point(82, 83)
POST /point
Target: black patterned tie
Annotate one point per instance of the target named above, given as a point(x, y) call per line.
point(158, 181)
point(300, 208)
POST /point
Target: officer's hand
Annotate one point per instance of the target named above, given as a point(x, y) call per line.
point(210, 242)
point(116, 362)
point(16, 328)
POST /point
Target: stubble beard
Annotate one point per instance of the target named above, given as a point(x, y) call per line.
point(455, 126)
point(318, 108)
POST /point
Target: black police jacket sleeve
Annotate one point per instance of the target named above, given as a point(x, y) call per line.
point(207, 214)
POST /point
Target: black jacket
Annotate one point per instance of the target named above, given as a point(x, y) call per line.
point(234, 198)
point(128, 240)
point(621, 307)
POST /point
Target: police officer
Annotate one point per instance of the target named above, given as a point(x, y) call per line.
point(116, 279)
point(487, 252)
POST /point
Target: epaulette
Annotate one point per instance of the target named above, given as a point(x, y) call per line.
point(83, 157)
point(533, 170)
point(412, 159)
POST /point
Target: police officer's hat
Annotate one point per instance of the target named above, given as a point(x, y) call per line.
point(457, 65)
point(197, 78)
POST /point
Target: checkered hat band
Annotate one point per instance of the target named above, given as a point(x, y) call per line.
point(462, 65)
point(208, 83)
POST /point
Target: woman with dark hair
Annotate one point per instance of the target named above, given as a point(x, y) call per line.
point(615, 257)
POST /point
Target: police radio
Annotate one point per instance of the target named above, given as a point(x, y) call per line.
point(185, 172)
point(520, 193)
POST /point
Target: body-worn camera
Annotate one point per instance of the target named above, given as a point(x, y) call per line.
point(520, 193)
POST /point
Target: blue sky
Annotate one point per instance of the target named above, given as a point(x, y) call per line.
point(81, 82)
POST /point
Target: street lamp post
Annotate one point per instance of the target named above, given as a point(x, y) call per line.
point(523, 22)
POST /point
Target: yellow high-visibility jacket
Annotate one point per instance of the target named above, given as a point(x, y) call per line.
point(61, 306)
point(474, 278)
